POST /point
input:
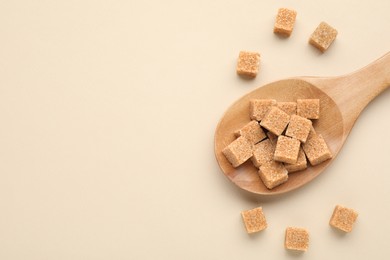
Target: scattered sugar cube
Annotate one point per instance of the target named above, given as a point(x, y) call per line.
point(299, 128)
point(343, 218)
point(316, 149)
point(254, 220)
point(259, 107)
point(287, 149)
point(285, 20)
point(323, 36)
point(252, 131)
point(289, 107)
point(248, 63)
point(238, 151)
point(273, 174)
point(300, 165)
point(263, 152)
point(308, 108)
point(275, 120)
point(296, 239)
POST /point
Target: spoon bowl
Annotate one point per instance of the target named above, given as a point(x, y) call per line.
point(341, 101)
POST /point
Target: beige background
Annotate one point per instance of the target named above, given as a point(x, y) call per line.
point(108, 111)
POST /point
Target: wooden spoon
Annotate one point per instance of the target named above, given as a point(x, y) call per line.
point(341, 99)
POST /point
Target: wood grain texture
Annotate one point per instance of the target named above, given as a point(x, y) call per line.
point(341, 100)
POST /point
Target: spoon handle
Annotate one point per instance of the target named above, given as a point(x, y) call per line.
point(354, 91)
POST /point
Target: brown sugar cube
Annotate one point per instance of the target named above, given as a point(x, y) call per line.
point(259, 107)
point(323, 36)
point(238, 151)
point(289, 107)
point(285, 20)
point(311, 133)
point(252, 131)
point(272, 137)
point(308, 108)
point(296, 239)
point(343, 218)
point(263, 152)
point(273, 174)
point(299, 128)
point(248, 63)
point(275, 120)
point(316, 149)
point(254, 220)
point(300, 165)
point(287, 149)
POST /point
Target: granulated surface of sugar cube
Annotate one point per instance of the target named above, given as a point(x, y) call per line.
point(263, 152)
point(248, 63)
point(287, 149)
point(275, 120)
point(311, 133)
point(300, 165)
point(285, 20)
point(308, 108)
point(323, 36)
point(252, 131)
point(273, 174)
point(289, 107)
point(296, 239)
point(343, 218)
point(254, 220)
point(316, 149)
point(299, 128)
point(238, 151)
point(258, 108)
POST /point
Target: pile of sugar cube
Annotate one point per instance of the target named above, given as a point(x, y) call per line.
point(297, 238)
point(279, 139)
